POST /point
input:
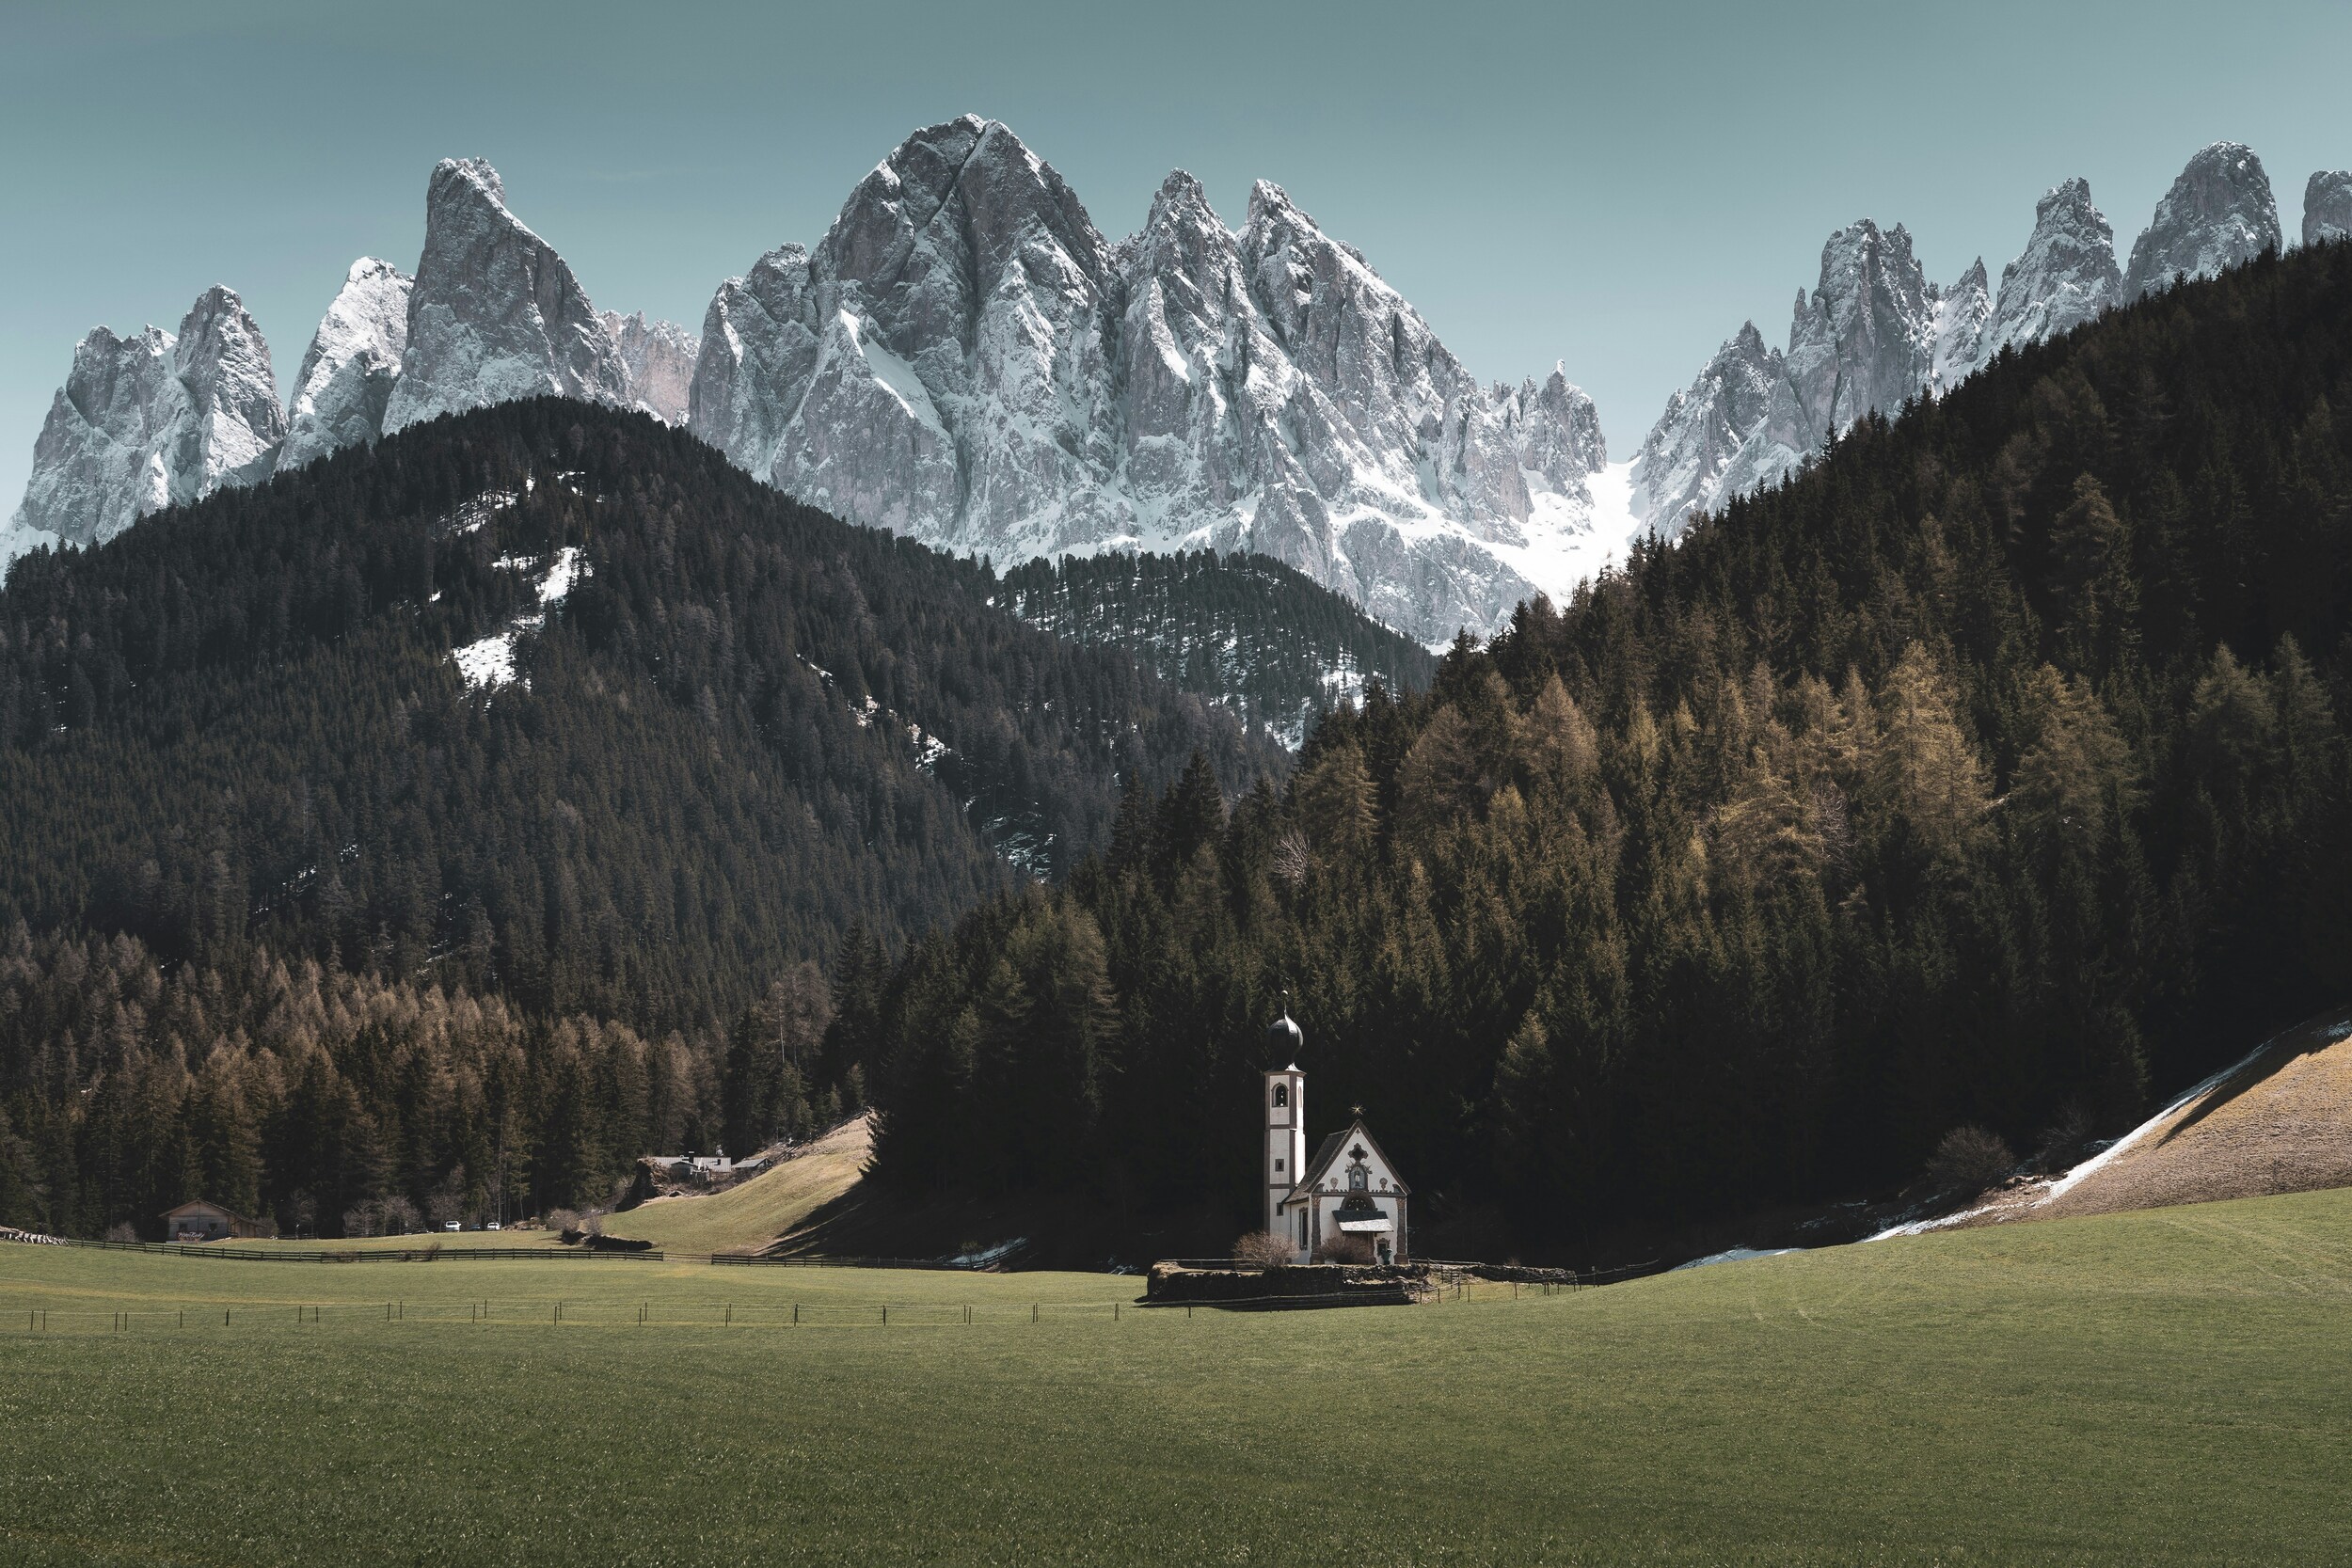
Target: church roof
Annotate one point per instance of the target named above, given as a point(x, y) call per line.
point(1327, 1154)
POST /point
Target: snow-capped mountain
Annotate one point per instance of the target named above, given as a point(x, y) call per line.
point(660, 357)
point(2327, 207)
point(1873, 334)
point(495, 314)
point(2064, 277)
point(146, 421)
point(347, 380)
point(2217, 214)
point(964, 358)
point(1686, 460)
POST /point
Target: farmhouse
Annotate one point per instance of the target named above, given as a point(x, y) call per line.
point(200, 1221)
point(1348, 1190)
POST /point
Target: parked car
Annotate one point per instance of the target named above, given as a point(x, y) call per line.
point(450, 1225)
point(492, 1226)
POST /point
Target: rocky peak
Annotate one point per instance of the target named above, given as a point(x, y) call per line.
point(1960, 313)
point(2327, 207)
point(2065, 275)
point(2217, 214)
point(1558, 430)
point(964, 358)
point(346, 378)
point(147, 421)
point(1872, 334)
point(1683, 461)
point(235, 425)
point(1864, 341)
point(494, 313)
point(760, 336)
point(660, 356)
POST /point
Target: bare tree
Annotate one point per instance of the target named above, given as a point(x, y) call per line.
point(1263, 1249)
point(1345, 1249)
point(1968, 1161)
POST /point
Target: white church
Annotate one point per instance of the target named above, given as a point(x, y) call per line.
point(1349, 1188)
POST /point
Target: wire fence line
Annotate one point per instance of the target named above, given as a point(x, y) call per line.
point(567, 1312)
point(652, 1313)
point(1467, 1280)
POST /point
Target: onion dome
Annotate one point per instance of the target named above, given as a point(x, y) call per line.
point(1284, 1038)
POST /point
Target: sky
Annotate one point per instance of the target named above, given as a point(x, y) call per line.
point(1613, 186)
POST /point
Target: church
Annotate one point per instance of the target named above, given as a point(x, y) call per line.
point(1349, 1190)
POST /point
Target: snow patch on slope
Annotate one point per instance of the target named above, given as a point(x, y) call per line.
point(489, 663)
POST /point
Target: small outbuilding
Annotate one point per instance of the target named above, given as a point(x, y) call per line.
point(200, 1221)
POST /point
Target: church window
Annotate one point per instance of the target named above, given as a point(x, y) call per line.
point(1278, 1165)
point(1282, 1095)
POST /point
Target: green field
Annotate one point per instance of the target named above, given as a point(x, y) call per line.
point(2172, 1386)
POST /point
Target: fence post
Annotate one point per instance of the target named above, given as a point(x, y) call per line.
point(1033, 1311)
point(795, 1314)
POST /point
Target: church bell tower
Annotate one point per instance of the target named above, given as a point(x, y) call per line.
point(1285, 1105)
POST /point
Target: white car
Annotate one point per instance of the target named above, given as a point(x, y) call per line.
point(450, 1225)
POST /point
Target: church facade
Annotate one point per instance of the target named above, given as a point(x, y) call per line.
point(1347, 1190)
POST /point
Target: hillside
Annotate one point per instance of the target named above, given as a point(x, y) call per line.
point(747, 1217)
point(1256, 635)
point(549, 699)
point(2278, 1121)
point(1992, 770)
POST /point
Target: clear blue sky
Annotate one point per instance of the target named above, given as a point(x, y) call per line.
point(1616, 186)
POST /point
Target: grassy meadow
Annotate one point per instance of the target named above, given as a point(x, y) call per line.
point(2166, 1386)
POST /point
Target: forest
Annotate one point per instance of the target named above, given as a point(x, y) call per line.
point(235, 746)
point(1992, 773)
point(1260, 637)
point(748, 728)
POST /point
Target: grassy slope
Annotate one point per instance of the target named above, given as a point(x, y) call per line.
point(2160, 1386)
point(749, 1216)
